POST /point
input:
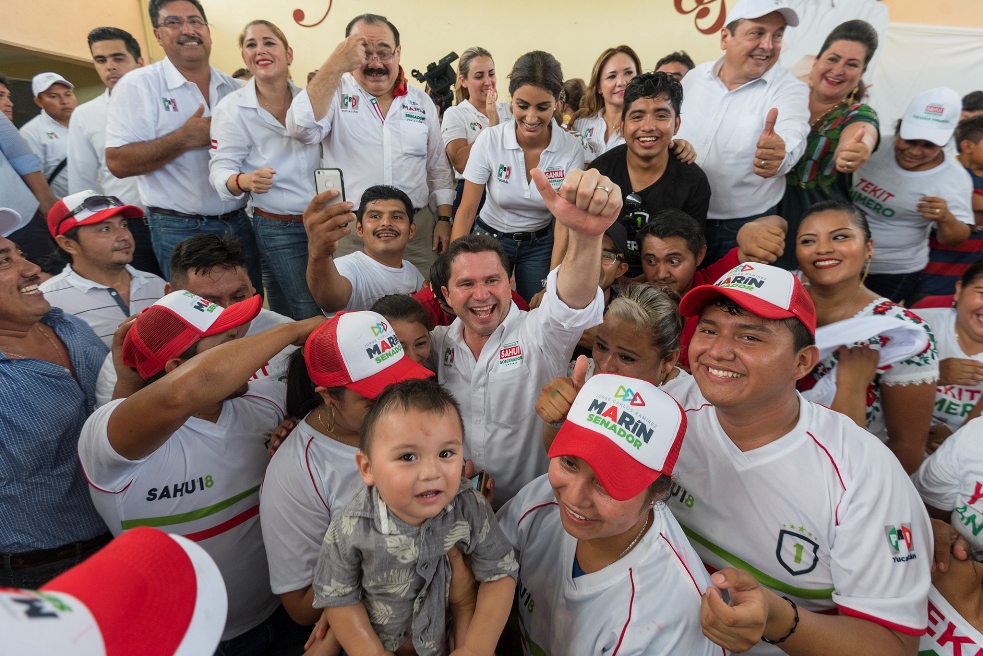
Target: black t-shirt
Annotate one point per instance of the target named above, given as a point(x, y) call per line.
point(683, 186)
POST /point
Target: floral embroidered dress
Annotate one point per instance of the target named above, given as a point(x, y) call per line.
point(400, 572)
point(916, 370)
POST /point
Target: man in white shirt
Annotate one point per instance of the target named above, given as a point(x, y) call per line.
point(747, 118)
point(183, 451)
point(384, 221)
point(379, 130)
point(158, 130)
point(98, 286)
point(115, 53)
point(48, 131)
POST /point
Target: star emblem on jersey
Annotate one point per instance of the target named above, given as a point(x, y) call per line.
point(796, 552)
point(627, 394)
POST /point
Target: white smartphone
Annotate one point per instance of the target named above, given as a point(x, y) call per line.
point(325, 179)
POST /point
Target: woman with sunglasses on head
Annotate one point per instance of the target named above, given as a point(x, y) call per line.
point(252, 153)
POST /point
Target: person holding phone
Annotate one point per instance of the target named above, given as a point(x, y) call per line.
point(252, 153)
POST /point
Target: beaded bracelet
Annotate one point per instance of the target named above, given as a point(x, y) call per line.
point(237, 183)
point(795, 625)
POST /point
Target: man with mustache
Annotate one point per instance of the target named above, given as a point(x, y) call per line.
point(379, 130)
point(158, 130)
point(98, 286)
point(384, 221)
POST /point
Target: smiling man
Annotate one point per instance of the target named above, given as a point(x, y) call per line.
point(384, 221)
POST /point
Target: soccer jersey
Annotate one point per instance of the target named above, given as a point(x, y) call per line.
point(202, 483)
point(949, 634)
point(647, 602)
point(952, 402)
point(824, 515)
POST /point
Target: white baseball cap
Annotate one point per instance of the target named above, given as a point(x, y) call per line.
point(628, 431)
point(932, 116)
point(43, 81)
point(759, 8)
point(10, 221)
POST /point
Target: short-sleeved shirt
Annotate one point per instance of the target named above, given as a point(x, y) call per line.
point(889, 196)
point(947, 264)
point(825, 515)
point(87, 154)
point(647, 602)
point(513, 204)
point(310, 476)
point(154, 101)
point(952, 402)
point(592, 129)
point(916, 370)
point(682, 186)
point(465, 121)
point(202, 483)
point(49, 139)
point(400, 572)
point(951, 479)
point(98, 305)
point(371, 280)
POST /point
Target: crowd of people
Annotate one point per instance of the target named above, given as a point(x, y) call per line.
point(679, 361)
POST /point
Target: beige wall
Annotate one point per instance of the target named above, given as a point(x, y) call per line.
point(951, 13)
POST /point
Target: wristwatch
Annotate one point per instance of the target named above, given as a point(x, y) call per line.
point(448, 219)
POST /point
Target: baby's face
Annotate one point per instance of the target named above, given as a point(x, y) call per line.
point(415, 462)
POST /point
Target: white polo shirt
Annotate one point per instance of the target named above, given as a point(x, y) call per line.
point(497, 391)
point(465, 121)
point(824, 515)
point(513, 203)
point(154, 101)
point(202, 483)
point(87, 154)
point(49, 140)
point(724, 128)
point(592, 128)
point(371, 280)
point(246, 137)
point(952, 402)
point(309, 476)
point(645, 603)
point(402, 148)
point(98, 305)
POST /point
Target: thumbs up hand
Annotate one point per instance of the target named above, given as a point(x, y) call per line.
point(771, 148)
point(852, 152)
point(558, 395)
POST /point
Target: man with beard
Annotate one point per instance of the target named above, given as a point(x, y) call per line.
point(384, 221)
point(181, 448)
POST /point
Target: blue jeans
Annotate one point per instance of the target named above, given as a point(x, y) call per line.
point(283, 246)
point(722, 235)
point(529, 261)
point(278, 635)
point(168, 231)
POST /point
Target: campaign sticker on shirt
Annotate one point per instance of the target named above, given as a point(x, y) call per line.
point(475, 126)
point(555, 175)
point(349, 103)
point(510, 355)
point(414, 112)
point(449, 357)
point(504, 172)
point(797, 551)
point(170, 104)
point(900, 542)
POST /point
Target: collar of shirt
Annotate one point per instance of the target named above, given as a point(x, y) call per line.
point(174, 79)
point(713, 73)
point(512, 142)
point(249, 99)
point(51, 123)
point(84, 284)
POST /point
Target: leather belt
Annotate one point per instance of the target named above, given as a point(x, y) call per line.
point(515, 236)
point(182, 215)
point(289, 218)
point(47, 556)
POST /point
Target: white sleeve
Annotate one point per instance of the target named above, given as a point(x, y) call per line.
point(30, 136)
point(83, 161)
point(961, 201)
point(938, 478)
point(106, 381)
point(440, 178)
point(792, 102)
point(132, 114)
point(478, 170)
point(454, 126)
point(300, 118)
point(230, 146)
point(105, 469)
point(272, 391)
point(556, 327)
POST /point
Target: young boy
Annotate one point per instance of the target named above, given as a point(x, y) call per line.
point(382, 573)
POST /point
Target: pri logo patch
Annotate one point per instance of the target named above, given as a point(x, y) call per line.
point(349, 103)
point(449, 357)
point(51, 135)
point(588, 133)
point(629, 395)
point(900, 542)
point(170, 104)
point(503, 173)
point(475, 126)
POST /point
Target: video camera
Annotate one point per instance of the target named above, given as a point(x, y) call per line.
point(439, 78)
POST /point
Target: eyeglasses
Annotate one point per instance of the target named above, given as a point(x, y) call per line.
point(609, 257)
point(383, 57)
point(173, 23)
point(92, 204)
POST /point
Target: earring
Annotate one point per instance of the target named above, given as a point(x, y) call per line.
point(863, 278)
point(852, 98)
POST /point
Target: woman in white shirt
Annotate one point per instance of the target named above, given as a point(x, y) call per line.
point(500, 163)
point(477, 108)
point(599, 117)
point(253, 153)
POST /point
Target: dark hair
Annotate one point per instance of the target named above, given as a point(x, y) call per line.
point(674, 223)
point(973, 101)
point(241, 74)
point(156, 5)
point(475, 244)
point(971, 274)
point(858, 31)
point(857, 217)
point(461, 92)
point(402, 307)
point(801, 337)
point(652, 310)
point(383, 192)
point(593, 102)
point(573, 92)
point(970, 129)
point(61, 253)
point(203, 252)
point(538, 69)
point(423, 395)
point(301, 397)
point(51, 263)
point(653, 85)
point(5, 81)
point(679, 56)
point(115, 34)
point(372, 19)
point(440, 275)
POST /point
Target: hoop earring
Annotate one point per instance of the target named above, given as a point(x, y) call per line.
point(852, 98)
point(863, 278)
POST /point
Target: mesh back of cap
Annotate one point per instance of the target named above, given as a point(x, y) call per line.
point(159, 336)
point(324, 362)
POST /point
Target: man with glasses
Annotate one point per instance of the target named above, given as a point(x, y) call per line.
point(379, 130)
point(158, 130)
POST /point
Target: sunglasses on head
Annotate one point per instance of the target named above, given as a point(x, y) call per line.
point(92, 204)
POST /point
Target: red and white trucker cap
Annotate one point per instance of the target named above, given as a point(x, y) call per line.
point(628, 431)
point(761, 289)
point(360, 351)
point(170, 326)
point(147, 592)
point(85, 208)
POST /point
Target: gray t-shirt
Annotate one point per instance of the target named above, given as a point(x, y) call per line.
point(401, 572)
